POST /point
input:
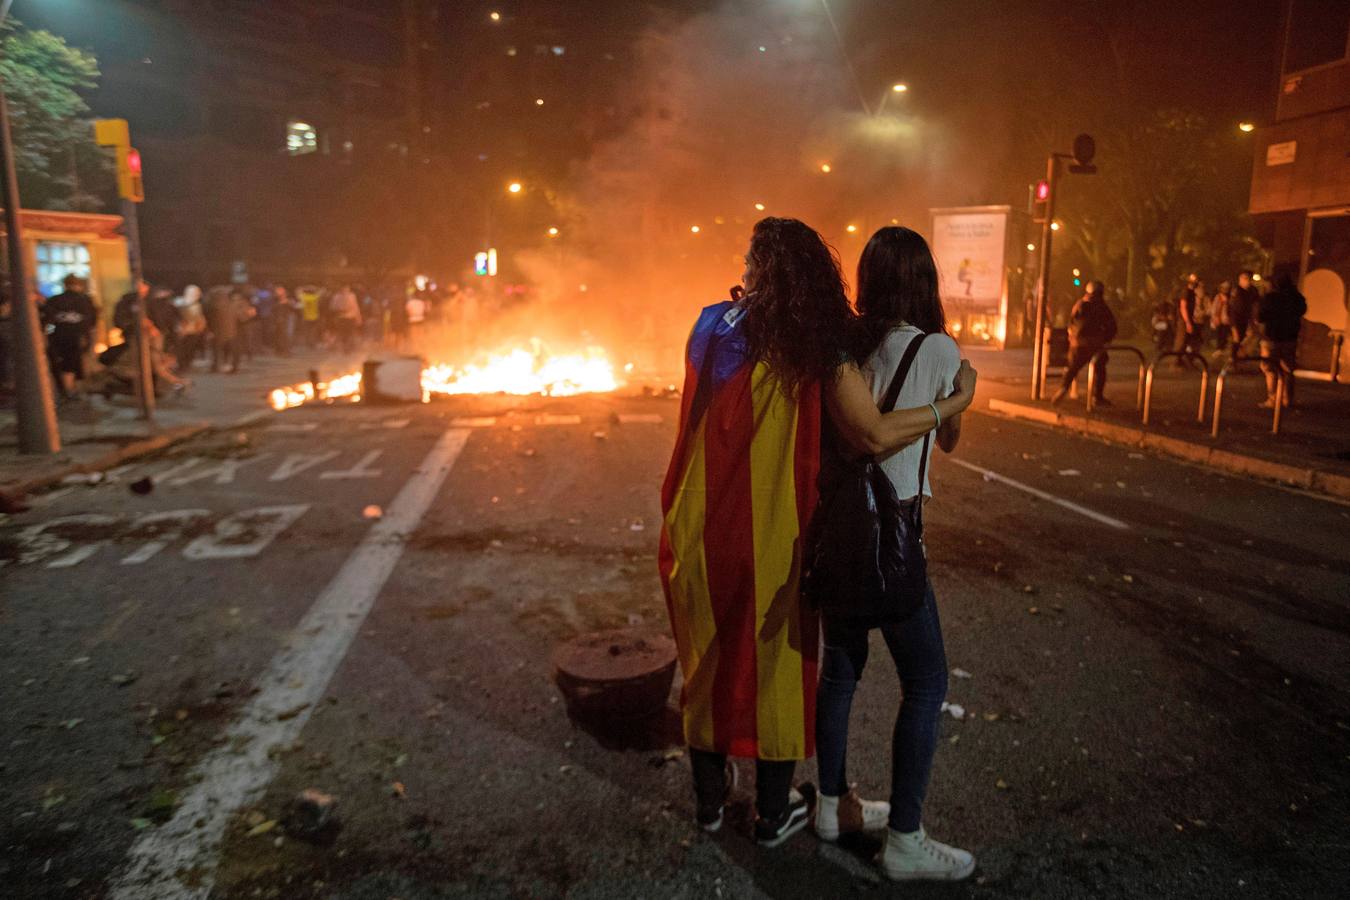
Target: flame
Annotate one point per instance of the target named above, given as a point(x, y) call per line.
point(344, 387)
point(521, 371)
point(526, 372)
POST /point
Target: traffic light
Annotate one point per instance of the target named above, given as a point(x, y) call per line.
point(1042, 191)
point(114, 133)
point(480, 263)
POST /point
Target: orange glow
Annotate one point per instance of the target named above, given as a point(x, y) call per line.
point(851, 229)
point(825, 167)
point(759, 206)
point(521, 371)
point(514, 187)
point(695, 229)
point(553, 232)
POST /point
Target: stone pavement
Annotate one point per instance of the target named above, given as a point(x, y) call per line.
point(97, 433)
point(1311, 450)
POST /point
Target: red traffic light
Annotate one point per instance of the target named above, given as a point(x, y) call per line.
point(134, 161)
point(1042, 191)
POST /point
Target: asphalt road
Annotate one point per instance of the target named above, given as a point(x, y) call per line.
point(364, 601)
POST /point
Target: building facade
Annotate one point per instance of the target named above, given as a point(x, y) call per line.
point(1301, 171)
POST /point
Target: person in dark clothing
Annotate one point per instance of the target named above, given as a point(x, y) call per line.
point(70, 319)
point(161, 311)
point(1091, 327)
point(1280, 315)
point(1242, 304)
point(125, 312)
point(1188, 331)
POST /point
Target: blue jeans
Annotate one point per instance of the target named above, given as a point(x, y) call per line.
point(921, 661)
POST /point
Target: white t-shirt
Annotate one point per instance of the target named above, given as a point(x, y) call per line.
point(930, 378)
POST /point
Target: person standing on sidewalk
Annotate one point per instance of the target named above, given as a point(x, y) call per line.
point(1187, 329)
point(346, 312)
point(191, 327)
point(1091, 327)
point(70, 318)
point(1280, 315)
point(1242, 305)
point(899, 305)
point(283, 320)
point(224, 322)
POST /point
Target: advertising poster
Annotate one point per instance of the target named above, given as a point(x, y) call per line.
point(969, 247)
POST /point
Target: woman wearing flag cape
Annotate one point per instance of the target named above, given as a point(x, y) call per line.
point(736, 501)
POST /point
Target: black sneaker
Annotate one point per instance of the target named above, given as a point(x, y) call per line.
point(710, 820)
point(794, 819)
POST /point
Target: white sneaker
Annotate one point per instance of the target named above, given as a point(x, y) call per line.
point(914, 856)
point(849, 814)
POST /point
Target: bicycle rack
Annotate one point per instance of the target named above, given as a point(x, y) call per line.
point(1092, 373)
point(1281, 390)
point(1179, 354)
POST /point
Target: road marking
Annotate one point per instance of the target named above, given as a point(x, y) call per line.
point(557, 420)
point(640, 419)
point(474, 422)
point(1037, 492)
point(360, 470)
point(299, 462)
point(38, 541)
point(175, 471)
point(163, 528)
point(224, 472)
point(387, 423)
point(245, 533)
point(293, 426)
point(241, 766)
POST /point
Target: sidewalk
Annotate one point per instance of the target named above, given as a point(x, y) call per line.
point(1311, 451)
point(97, 434)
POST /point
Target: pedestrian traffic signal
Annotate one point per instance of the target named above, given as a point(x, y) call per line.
point(480, 263)
point(114, 133)
point(1042, 191)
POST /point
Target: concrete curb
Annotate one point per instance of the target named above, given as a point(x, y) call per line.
point(1308, 479)
point(112, 459)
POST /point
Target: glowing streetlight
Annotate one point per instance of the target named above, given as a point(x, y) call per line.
point(695, 229)
point(515, 187)
point(495, 16)
point(1054, 226)
point(1246, 127)
point(553, 232)
point(900, 88)
point(539, 101)
point(1031, 248)
point(825, 167)
point(1077, 272)
point(851, 229)
point(759, 206)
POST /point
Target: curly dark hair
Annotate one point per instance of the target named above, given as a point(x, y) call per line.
point(897, 282)
point(797, 314)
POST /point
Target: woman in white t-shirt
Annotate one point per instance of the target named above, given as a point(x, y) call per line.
point(898, 301)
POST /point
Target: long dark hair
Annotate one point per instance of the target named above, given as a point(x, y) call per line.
point(797, 316)
point(897, 282)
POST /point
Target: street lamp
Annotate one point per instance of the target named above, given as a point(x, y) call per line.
point(759, 207)
point(825, 167)
point(35, 411)
point(514, 187)
point(898, 88)
point(1246, 127)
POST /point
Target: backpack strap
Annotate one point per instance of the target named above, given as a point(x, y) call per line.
point(902, 370)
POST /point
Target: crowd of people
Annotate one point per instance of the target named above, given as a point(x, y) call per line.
point(224, 327)
point(1235, 322)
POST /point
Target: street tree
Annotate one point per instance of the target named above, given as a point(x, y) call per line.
point(58, 164)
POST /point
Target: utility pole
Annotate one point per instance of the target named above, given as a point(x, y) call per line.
point(114, 133)
point(1084, 149)
point(38, 432)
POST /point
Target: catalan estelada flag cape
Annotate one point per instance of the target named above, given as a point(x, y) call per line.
point(736, 501)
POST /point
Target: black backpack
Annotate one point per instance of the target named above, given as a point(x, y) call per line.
point(864, 560)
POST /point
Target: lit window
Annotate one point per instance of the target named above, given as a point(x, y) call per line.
point(558, 51)
point(301, 138)
point(56, 260)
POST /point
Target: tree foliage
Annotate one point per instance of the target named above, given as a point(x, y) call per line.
point(59, 166)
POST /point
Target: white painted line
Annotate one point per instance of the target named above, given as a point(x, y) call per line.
point(557, 420)
point(44, 540)
point(224, 472)
point(298, 462)
point(293, 426)
point(640, 419)
point(246, 533)
point(360, 470)
point(160, 530)
point(474, 422)
point(1037, 492)
point(387, 423)
point(241, 766)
